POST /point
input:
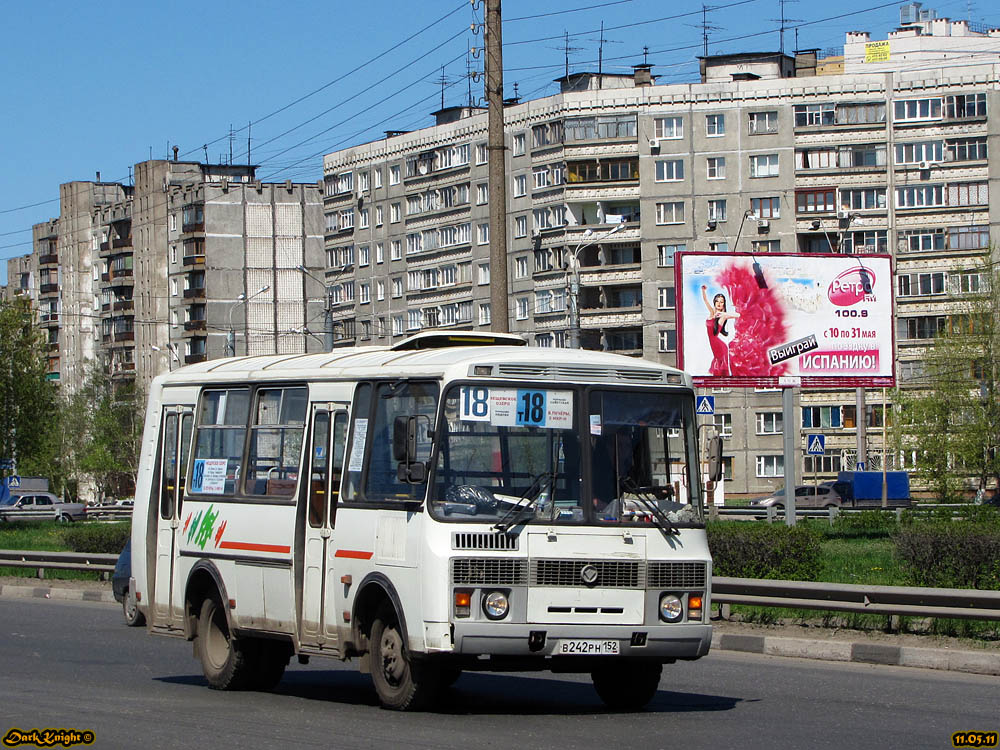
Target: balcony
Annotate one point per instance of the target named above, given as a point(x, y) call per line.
point(105, 277)
point(119, 242)
point(50, 320)
point(48, 259)
point(195, 293)
point(194, 325)
point(104, 246)
point(120, 278)
point(124, 304)
point(198, 226)
point(190, 359)
point(48, 289)
point(192, 260)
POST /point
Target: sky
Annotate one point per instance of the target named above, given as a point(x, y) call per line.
point(98, 86)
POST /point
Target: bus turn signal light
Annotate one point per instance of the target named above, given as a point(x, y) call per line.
point(463, 603)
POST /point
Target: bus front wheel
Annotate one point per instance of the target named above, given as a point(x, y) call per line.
point(627, 686)
point(401, 682)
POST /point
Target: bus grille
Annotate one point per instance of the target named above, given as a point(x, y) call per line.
point(676, 575)
point(488, 541)
point(619, 574)
point(488, 571)
point(580, 372)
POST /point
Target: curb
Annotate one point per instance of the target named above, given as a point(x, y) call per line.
point(859, 652)
point(56, 592)
point(973, 662)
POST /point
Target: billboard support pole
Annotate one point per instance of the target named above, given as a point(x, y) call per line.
point(788, 417)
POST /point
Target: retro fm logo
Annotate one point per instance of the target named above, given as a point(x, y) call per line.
point(852, 286)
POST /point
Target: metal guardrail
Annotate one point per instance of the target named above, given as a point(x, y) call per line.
point(109, 512)
point(772, 514)
point(21, 514)
point(966, 604)
point(41, 561)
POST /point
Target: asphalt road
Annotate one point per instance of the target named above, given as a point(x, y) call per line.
point(76, 665)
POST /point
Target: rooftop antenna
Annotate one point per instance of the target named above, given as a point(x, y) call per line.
point(784, 21)
point(600, 53)
point(443, 81)
point(468, 72)
point(205, 148)
point(645, 54)
point(566, 49)
point(231, 134)
point(516, 95)
point(705, 27)
point(248, 143)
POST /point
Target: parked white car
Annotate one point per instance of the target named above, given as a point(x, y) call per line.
point(41, 506)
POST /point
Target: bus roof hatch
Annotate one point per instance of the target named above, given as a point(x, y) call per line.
point(442, 339)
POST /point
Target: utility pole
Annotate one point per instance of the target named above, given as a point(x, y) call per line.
point(499, 317)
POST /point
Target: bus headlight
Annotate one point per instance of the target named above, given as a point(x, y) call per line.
point(495, 605)
point(671, 609)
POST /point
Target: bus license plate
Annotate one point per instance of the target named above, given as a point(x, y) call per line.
point(587, 646)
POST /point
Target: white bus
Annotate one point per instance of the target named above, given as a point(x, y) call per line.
point(454, 502)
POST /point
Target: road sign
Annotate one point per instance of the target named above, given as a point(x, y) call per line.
point(860, 466)
point(6, 463)
point(815, 445)
point(13, 482)
point(705, 405)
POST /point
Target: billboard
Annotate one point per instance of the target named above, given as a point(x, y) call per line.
point(820, 321)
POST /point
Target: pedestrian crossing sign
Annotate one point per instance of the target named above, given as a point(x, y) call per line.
point(705, 405)
point(816, 445)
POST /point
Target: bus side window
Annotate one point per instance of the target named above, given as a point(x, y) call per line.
point(168, 466)
point(337, 469)
point(276, 441)
point(320, 464)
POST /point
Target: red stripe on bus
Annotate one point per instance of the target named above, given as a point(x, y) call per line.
point(254, 547)
point(353, 553)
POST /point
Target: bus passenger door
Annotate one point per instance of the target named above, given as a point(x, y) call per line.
point(328, 433)
point(175, 440)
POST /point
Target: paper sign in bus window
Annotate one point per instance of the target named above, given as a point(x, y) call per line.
point(357, 460)
point(509, 408)
point(209, 476)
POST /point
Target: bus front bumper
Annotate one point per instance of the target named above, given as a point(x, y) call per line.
point(666, 642)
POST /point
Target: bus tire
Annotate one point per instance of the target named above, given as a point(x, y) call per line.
point(627, 686)
point(401, 682)
point(227, 662)
point(130, 609)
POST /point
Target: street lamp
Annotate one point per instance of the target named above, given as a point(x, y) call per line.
point(327, 300)
point(171, 357)
point(574, 288)
point(231, 336)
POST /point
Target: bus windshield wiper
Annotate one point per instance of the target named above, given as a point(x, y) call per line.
point(526, 502)
point(643, 495)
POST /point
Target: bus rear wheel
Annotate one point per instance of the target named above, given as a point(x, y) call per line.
point(226, 661)
point(627, 686)
point(401, 682)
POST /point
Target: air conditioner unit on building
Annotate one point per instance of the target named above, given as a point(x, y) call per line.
point(924, 165)
point(654, 143)
point(763, 225)
point(843, 214)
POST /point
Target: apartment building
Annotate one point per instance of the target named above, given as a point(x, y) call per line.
point(173, 269)
point(611, 177)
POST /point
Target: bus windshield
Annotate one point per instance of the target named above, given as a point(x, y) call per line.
point(565, 454)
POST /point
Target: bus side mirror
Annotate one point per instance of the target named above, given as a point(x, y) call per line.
point(404, 438)
point(715, 459)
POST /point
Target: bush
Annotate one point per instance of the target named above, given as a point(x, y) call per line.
point(951, 554)
point(759, 550)
point(867, 524)
point(109, 538)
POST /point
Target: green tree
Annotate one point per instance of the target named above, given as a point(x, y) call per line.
point(28, 399)
point(111, 413)
point(950, 415)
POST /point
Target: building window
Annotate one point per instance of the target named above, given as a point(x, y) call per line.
point(518, 144)
point(665, 254)
point(921, 284)
point(965, 106)
point(482, 154)
point(484, 314)
point(483, 233)
point(766, 208)
point(394, 212)
point(364, 294)
point(716, 167)
point(723, 424)
point(520, 226)
point(969, 194)
point(815, 158)
point(718, 247)
point(764, 165)
point(380, 290)
point(394, 174)
point(540, 178)
point(763, 122)
point(397, 287)
point(377, 177)
point(811, 115)
point(668, 340)
point(829, 464)
point(922, 196)
point(862, 199)
point(484, 273)
point(965, 149)
point(815, 201)
point(911, 110)
point(717, 210)
point(770, 423)
point(914, 153)
point(869, 241)
point(669, 171)
point(670, 213)
point(666, 298)
point(817, 417)
point(482, 194)
point(520, 185)
point(766, 246)
point(770, 466)
point(668, 127)
point(715, 125)
point(521, 267)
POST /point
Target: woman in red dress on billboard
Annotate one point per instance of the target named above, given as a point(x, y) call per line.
point(716, 326)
